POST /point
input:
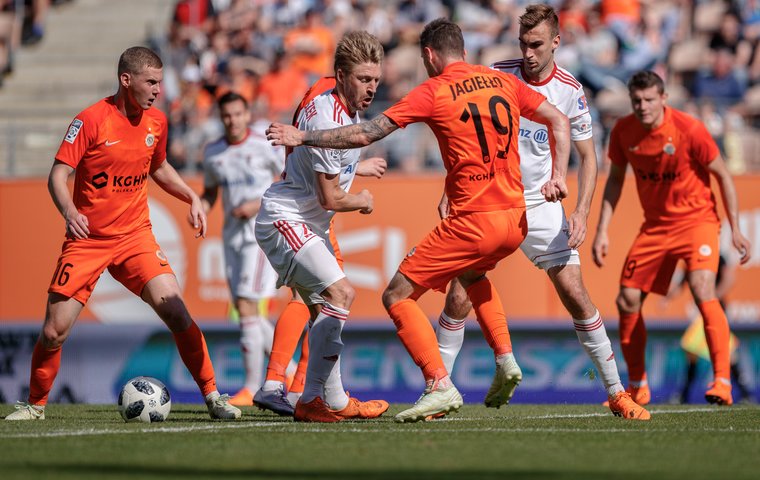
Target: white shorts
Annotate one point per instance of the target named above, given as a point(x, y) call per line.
point(302, 259)
point(548, 233)
point(249, 274)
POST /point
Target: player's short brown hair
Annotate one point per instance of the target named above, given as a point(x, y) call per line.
point(356, 48)
point(535, 14)
point(443, 36)
point(135, 59)
point(644, 79)
point(230, 97)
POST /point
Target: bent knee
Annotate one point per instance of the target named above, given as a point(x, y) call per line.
point(51, 337)
point(458, 304)
point(628, 303)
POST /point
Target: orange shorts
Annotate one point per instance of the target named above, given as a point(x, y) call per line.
point(133, 260)
point(473, 241)
point(656, 251)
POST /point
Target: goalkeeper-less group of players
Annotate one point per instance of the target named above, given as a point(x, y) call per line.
point(504, 134)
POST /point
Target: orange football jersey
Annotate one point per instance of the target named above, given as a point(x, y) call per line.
point(670, 164)
point(474, 113)
point(113, 158)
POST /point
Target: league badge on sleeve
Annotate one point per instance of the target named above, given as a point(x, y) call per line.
point(74, 128)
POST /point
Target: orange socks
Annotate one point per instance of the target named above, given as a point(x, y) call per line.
point(45, 365)
point(287, 331)
point(417, 335)
point(633, 342)
point(194, 353)
point(299, 379)
point(717, 336)
point(490, 314)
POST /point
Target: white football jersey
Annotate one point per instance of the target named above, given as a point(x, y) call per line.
point(294, 198)
point(243, 171)
point(563, 91)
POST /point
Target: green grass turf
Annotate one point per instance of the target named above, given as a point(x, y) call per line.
point(519, 441)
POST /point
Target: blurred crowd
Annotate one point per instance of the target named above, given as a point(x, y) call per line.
point(270, 51)
point(22, 23)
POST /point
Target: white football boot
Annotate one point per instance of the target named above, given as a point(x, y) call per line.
point(219, 407)
point(508, 376)
point(435, 402)
point(25, 411)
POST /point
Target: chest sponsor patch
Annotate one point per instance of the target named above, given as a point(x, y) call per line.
point(74, 129)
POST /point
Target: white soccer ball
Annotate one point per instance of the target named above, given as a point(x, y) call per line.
point(144, 399)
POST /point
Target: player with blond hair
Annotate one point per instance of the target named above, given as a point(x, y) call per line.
point(293, 228)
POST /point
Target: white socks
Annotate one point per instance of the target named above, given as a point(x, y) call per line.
point(450, 334)
point(252, 342)
point(325, 345)
point(593, 337)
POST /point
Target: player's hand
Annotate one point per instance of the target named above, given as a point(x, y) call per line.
point(197, 218)
point(743, 245)
point(600, 248)
point(77, 225)
point(370, 202)
point(576, 229)
point(372, 167)
point(246, 210)
point(554, 190)
point(287, 135)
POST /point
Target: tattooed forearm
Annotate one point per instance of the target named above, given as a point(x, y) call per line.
point(352, 136)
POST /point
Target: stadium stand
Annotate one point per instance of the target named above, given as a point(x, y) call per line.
point(706, 49)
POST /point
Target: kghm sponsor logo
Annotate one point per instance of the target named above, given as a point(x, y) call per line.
point(658, 176)
point(482, 177)
point(120, 183)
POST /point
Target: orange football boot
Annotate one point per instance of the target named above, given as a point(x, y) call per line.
point(356, 409)
point(315, 411)
point(720, 392)
point(641, 395)
point(243, 398)
point(622, 405)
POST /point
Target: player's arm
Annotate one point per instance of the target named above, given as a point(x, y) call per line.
point(334, 198)
point(612, 190)
point(559, 140)
point(372, 167)
point(731, 205)
point(350, 136)
point(169, 180)
point(77, 225)
point(586, 183)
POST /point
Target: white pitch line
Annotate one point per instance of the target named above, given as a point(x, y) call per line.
point(553, 416)
point(429, 429)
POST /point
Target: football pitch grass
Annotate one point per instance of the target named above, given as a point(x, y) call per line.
point(518, 441)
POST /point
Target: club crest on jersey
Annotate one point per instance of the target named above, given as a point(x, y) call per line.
point(669, 148)
point(74, 128)
point(150, 140)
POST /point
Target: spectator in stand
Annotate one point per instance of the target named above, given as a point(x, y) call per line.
point(311, 45)
point(279, 90)
point(10, 30)
point(721, 85)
